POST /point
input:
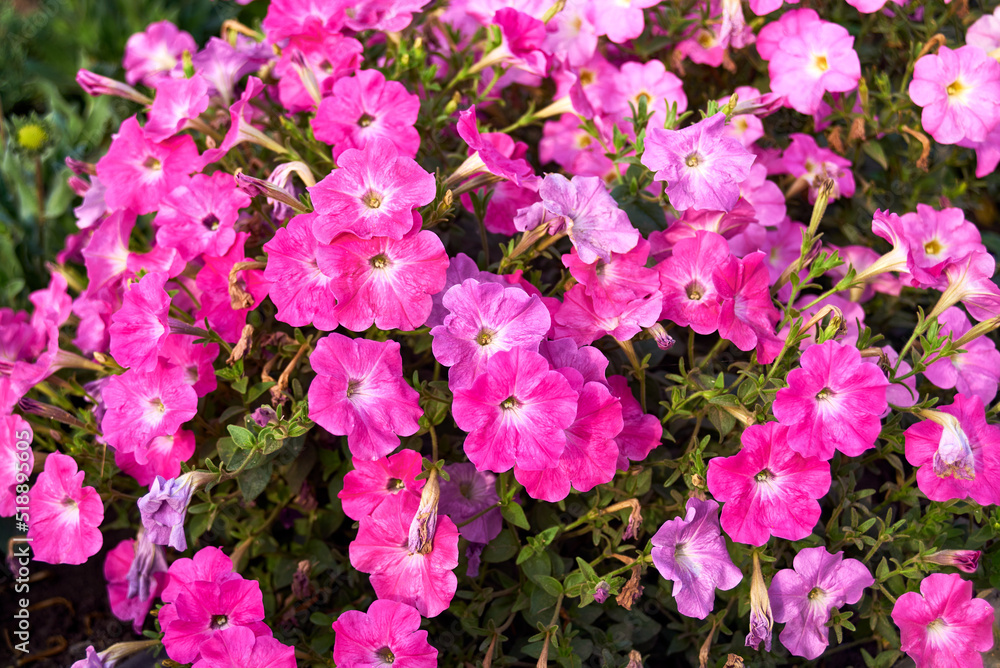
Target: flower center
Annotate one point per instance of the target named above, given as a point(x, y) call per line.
point(465, 489)
point(380, 261)
point(694, 290)
point(152, 163)
point(485, 337)
point(821, 63)
point(824, 394)
point(69, 502)
point(956, 87)
point(693, 160)
point(394, 485)
point(586, 77)
point(219, 622)
point(372, 199)
point(764, 475)
point(386, 656)
point(706, 39)
point(157, 403)
point(815, 593)
point(365, 120)
point(210, 222)
point(352, 387)
point(933, 247)
point(510, 403)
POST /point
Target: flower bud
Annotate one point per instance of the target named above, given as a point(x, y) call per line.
point(95, 84)
point(601, 592)
point(424, 524)
point(663, 340)
point(761, 619)
point(966, 561)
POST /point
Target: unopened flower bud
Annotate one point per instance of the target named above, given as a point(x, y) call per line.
point(634, 659)
point(95, 84)
point(263, 416)
point(966, 561)
point(663, 340)
point(424, 524)
point(601, 592)
point(761, 619)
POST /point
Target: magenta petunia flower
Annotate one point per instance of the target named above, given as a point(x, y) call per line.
point(298, 287)
point(970, 281)
point(142, 405)
point(382, 280)
point(583, 209)
point(487, 152)
point(371, 482)
point(373, 192)
point(65, 515)
point(833, 401)
point(199, 216)
point(803, 598)
point(294, 18)
point(484, 319)
point(974, 372)
point(209, 564)
point(16, 463)
point(310, 65)
point(164, 455)
point(958, 453)
point(690, 297)
point(747, 315)
point(515, 412)
point(126, 604)
point(366, 106)
point(959, 91)
point(805, 159)
point(702, 165)
point(465, 494)
point(205, 609)
point(222, 64)
point(808, 57)
point(585, 319)
point(691, 552)
point(641, 433)
point(422, 579)
point(196, 359)
point(240, 647)
point(360, 392)
point(388, 634)
point(217, 304)
point(618, 280)
point(177, 101)
point(139, 172)
point(139, 328)
point(150, 55)
point(944, 625)
point(769, 489)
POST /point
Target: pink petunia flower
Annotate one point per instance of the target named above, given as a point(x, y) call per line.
point(641, 433)
point(622, 278)
point(139, 328)
point(371, 482)
point(164, 455)
point(65, 515)
point(585, 320)
point(958, 453)
point(16, 460)
point(808, 57)
point(985, 32)
point(196, 359)
point(970, 281)
point(422, 579)
point(805, 159)
point(944, 625)
point(177, 101)
point(382, 280)
point(959, 91)
point(690, 297)
point(702, 165)
point(139, 172)
point(747, 315)
point(130, 602)
point(976, 371)
point(833, 401)
point(209, 564)
point(691, 552)
point(298, 287)
point(515, 412)
point(769, 489)
point(483, 319)
point(365, 106)
point(200, 215)
point(310, 65)
point(804, 597)
point(620, 92)
point(239, 647)
point(222, 64)
point(372, 193)
point(293, 18)
point(620, 20)
point(487, 153)
point(150, 55)
point(388, 634)
point(224, 315)
point(360, 392)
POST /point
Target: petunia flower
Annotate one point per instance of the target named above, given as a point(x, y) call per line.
point(957, 452)
point(515, 412)
point(164, 508)
point(383, 281)
point(585, 320)
point(16, 460)
point(959, 91)
point(371, 482)
point(702, 165)
point(240, 647)
point(483, 319)
point(139, 328)
point(298, 287)
point(486, 153)
point(804, 597)
point(150, 55)
point(976, 371)
point(196, 360)
point(295, 18)
point(806, 160)
point(373, 192)
point(209, 564)
point(641, 432)
point(691, 552)
point(222, 64)
point(136, 573)
point(620, 92)
point(944, 625)
point(177, 101)
point(621, 279)
point(164, 455)
point(690, 298)
point(388, 634)
point(467, 493)
point(359, 392)
point(747, 315)
point(769, 489)
point(227, 316)
point(65, 515)
point(834, 400)
point(200, 216)
point(966, 561)
point(423, 580)
point(970, 281)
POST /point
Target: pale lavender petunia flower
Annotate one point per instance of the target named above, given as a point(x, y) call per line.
point(164, 508)
point(465, 494)
point(691, 551)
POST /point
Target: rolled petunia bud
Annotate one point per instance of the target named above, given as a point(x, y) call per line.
point(424, 523)
point(966, 561)
point(761, 619)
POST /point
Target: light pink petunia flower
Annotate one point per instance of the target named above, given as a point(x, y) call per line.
point(200, 216)
point(974, 372)
point(16, 460)
point(371, 482)
point(139, 328)
point(151, 55)
point(177, 101)
point(65, 515)
point(298, 287)
point(690, 297)
point(959, 91)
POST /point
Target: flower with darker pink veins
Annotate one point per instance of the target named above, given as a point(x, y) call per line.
point(834, 401)
point(944, 625)
point(373, 192)
point(584, 210)
point(691, 552)
point(359, 392)
point(371, 482)
point(423, 579)
point(808, 57)
point(199, 216)
point(240, 647)
point(805, 159)
point(966, 561)
point(585, 319)
point(136, 573)
point(177, 101)
point(209, 564)
point(620, 20)
point(65, 515)
point(465, 495)
point(151, 55)
point(702, 165)
point(484, 319)
point(196, 359)
point(768, 488)
point(959, 91)
point(976, 371)
point(16, 460)
point(382, 15)
point(366, 106)
point(384, 281)
point(164, 455)
point(139, 328)
point(686, 281)
point(388, 634)
point(957, 451)
point(142, 405)
point(747, 315)
point(516, 412)
point(139, 172)
point(298, 287)
point(804, 596)
point(622, 278)
point(225, 308)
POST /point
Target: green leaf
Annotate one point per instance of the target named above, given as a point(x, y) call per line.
point(551, 586)
point(243, 438)
point(514, 514)
point(875, 151)
point(254, 481)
